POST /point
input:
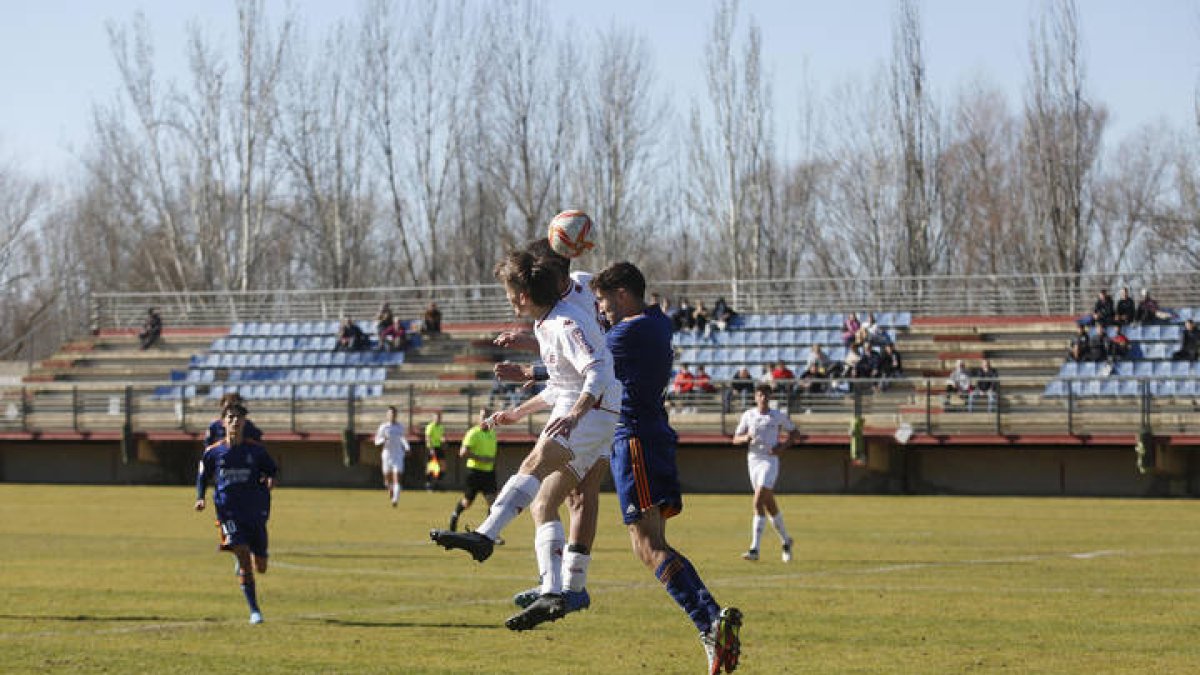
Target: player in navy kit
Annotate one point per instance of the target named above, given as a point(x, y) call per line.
point(243, 475)
point(216, 429)
point(643, 456)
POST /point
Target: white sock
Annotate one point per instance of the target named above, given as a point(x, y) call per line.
point(756, 531)
point(777, 522)
point(548, 544)
point(518, 492)
point(395, 492)
point(575, 569)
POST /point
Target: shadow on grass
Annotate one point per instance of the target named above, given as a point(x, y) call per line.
point(93, 617)
point(407, 624)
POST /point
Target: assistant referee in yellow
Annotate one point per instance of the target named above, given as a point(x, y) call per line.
point(479, 447)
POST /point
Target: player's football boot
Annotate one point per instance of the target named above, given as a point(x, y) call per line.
point(479, 546)
point(256, 617)
point(548, 607)
point(727, 645)
point(574, 600)
point(752, 554)
point(787, 551)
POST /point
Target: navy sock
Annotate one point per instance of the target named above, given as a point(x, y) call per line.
point(249, 591)
point(685, 587)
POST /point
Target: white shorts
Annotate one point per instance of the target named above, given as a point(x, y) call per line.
point(764, 469)
point(392, 462)
point(590, 441)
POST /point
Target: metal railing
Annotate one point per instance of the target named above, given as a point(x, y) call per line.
point(1018, 408)
point(1013, 294)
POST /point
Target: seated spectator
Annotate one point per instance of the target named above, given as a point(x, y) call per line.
point(384, 318)
point(814, 378)
point(987, 382)
point(151, 329)
point(1125, 311)
point(1118, 346)
point(1077, 348)
point(350, 338)
point(681, 388)
point(891, 365)
point(432, 321)
point(874, 333)
point(722, 314)
point(703, 383)
point(1148, 312)
point(817, 357)
point(782, 378)
point(741, 386)
point(850, 329)
point(1097, 344)
point(700, 320)
point(682, 318)
point(394, 337)
point(1102, 311)
point(958, 382)
point(1189, 343)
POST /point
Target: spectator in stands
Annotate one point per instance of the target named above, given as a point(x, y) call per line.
point(681, 389)
point(958, 382)
point(384, 319)
point(351, 338)
point(1148, 312)
point(700, 320)
point(987, 382)
point(432, 321)
point(1102, 311)
point(891, 365)
point(741, 386)
point(1118, 346)
point(783, 380)
point(813, 379)
point(817, 357)
point(1077, 348)
point(1097, 344)
point(683, 318)
point(394, 337)
point(722, 314)
point(1125, 311)
point(873, 333)
point(1189, 343)
point(703, 386)
point(850, 329)
point(151, 329)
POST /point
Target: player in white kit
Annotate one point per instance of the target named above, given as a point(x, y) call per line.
point(394, 447)
point(762, 430)
point(584, 396)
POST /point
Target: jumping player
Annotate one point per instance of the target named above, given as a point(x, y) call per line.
point(243, 475)
point(762, 431)
point(583, 395)
point(394, 448)
point(583, 503)
point(643, 457)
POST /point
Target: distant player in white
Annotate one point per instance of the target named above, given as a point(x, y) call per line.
point(762, 431)
point(394, 448)
point(584, 396)
point(583, 503)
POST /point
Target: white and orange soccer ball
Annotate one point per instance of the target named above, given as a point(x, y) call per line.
point(570, 234)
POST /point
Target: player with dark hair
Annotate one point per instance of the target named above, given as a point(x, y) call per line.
point(243, 475)
point(766, 433)
point(479, 449)
point(216, 428)
point(582, 393)
point(394, 448)
point(643, 457)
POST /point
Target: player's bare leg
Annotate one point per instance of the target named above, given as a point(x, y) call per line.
point(246, 578)
point(766, 508)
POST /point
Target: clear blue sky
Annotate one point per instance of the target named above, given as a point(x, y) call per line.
point(1143, 56)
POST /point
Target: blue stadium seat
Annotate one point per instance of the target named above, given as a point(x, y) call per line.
point(1143, 369)
point(238, 328)
point(1180, 368)
point(1054, 389)
point(1170, 334)
point(1068, 369)
point(1162, 369)
point(1130, 388)
point(1162, 387)
point(1186, 388)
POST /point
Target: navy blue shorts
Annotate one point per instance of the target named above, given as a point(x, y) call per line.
point(645, 476)
point(252, 534)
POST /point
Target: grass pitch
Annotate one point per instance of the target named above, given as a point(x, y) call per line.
point(127, 580)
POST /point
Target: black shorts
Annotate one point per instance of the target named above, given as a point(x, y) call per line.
point(480, 481)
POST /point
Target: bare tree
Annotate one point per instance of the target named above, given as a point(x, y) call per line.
point(1127, 199)
point(1060, 141)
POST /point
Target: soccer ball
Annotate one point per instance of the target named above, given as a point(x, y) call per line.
point(570, 234)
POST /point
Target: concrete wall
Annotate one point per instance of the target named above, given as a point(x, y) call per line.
point(922, 470)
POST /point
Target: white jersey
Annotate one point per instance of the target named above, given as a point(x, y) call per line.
point(391, 436)
point(764, 429)
point(580, 295)
point(576, 357)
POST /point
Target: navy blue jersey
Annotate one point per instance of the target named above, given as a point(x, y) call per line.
point(216, 431)
point(237, 473)
point(642, 356)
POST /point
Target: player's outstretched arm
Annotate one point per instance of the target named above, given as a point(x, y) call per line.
point(513, 339)
point(514, 415)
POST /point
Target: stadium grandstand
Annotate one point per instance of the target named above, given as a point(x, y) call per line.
point(100, 409)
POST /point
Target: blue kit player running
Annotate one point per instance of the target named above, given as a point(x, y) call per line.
point(243, 475)
point(216, 429)
point(643, 456)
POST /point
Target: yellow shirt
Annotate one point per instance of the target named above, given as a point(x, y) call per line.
point(433, 435)
point(483, 444)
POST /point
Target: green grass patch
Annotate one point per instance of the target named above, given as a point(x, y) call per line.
point(127, 579)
